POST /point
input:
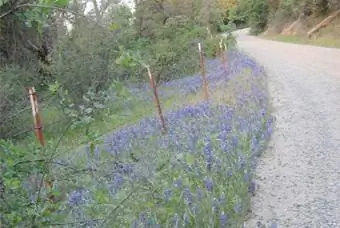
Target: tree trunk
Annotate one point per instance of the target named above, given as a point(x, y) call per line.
point(324, 23)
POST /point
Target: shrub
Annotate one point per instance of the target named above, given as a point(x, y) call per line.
point(14, 102)
point(258, 16)
point(82, 64)
point(24, 198)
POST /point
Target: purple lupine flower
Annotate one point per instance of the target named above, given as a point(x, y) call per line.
point(246, 176)
point(238, 207)
point(223, 219)
point(252, 188)
point(167, 194)
point(142, 218)
point(78, 197)
point(75, 198)
point(229, 173)
point(187, 196)
point(209, 184)
point(178, 183)
point(254, 144)
point(118, 181)
point(241, 161)
point(208, 153)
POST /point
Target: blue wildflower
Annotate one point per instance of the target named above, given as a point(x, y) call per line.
point(252, 188)
point(188, 198)
point(167, 194)
point(209, 184)
point(208, 153)
point(238, 207)
point(223, 219)
point(178, 183)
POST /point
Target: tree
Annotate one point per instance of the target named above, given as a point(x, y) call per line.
point(169, 27)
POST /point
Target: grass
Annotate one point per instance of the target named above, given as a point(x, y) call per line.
point(199, 174)
point(322, 41)
point(326, 37)
point(113, 117)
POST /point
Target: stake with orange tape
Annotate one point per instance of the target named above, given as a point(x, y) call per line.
point(204, 78)
point(36, 116)
point(222, 52)
point(156, 99)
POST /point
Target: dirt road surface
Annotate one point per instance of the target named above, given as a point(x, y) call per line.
point(298, 176)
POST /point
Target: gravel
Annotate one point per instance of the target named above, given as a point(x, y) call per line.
point(298, 177)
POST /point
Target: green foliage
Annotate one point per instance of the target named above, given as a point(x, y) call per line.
point(238, 15)
point(25, 199)
point(258, 15)
point(13, 99)
point(228, 28)
point(254, 13)
point(82, 65)
point(174, 56)
point(82, 82)
point(170, 31)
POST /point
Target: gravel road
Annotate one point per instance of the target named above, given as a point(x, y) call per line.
point(298, 176)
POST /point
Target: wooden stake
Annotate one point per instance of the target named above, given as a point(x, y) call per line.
point(223, 48)
point(48, 182)
point(209, 33)
point(36, 116)
point(156, 99)
point(204, 78)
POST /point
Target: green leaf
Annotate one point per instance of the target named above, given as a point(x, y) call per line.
point(53, 88)
point(190, 159)
point(13, 184)
point(101, 197)
point(61, 3)
point(114, 26)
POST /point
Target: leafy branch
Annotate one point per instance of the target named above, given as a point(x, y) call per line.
point(28, 5)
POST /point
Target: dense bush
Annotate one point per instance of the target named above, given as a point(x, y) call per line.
point(258, 16)
point(83, 63)
point(14, 103)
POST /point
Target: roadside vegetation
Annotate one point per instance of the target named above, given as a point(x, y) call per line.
point(106, 162)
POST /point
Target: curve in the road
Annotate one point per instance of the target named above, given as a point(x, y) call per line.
point(299, 175)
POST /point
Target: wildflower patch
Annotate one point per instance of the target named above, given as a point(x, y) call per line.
point(199, 174)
